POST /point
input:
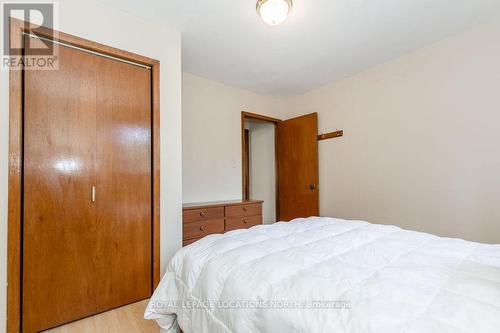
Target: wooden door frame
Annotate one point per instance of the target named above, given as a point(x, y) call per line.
point(246, 160)
point(14, 232)
point(244, 164)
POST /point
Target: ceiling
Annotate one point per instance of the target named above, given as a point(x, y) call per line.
point(322, 41)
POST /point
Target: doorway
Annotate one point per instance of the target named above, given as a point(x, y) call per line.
point(259, 169)
point(289, 183)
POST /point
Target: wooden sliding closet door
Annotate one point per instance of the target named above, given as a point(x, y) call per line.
point(59, 252)
point(87, 125)
point(123, 192)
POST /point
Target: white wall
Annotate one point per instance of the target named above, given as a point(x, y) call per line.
point(422, 135)
point(212, 137)
point(263, 168)
point(99, 22)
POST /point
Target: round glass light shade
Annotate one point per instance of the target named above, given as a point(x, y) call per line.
point(273, 12)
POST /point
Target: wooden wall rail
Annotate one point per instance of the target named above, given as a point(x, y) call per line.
point(330, 135)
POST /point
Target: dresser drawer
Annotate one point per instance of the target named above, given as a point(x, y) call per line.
point(244, 210)
point(234, 223)
point(202, 214)
point(202, 228)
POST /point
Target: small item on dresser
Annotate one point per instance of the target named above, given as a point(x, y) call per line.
point(202, 219)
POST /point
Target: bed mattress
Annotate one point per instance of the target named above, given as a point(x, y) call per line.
point(329, 275)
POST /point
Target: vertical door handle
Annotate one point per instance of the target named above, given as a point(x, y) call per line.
point(93, 194)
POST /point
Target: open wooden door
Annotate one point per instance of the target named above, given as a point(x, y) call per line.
point(297, 163)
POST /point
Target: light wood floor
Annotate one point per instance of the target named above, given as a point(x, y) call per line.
point(127, 319)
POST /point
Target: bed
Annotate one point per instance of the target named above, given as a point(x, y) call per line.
point(329, 275)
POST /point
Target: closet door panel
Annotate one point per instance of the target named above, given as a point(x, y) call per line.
point(123, 188)
point(59, 225)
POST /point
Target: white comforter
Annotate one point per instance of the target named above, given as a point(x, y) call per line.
point(337, 276)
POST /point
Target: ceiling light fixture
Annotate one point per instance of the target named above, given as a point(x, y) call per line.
point(274, 12)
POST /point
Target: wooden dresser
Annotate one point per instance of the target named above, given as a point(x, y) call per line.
point(202, 219)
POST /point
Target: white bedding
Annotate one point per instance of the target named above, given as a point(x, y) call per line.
point(361, 277)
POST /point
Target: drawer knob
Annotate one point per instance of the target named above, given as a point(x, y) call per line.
point(244, 209)
point(202, 214)
point(202, 228)
point(245, 221)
